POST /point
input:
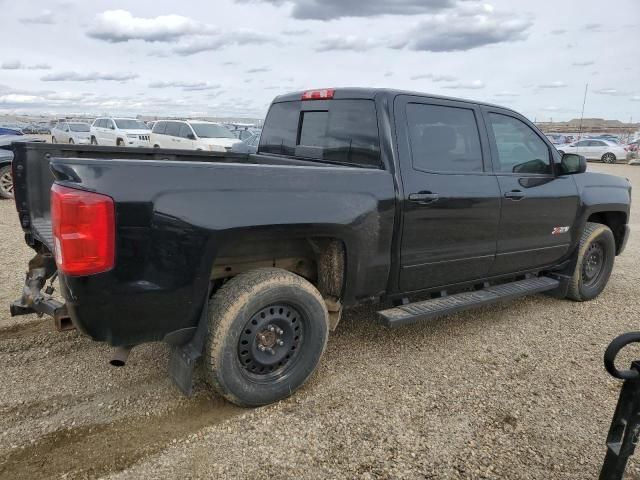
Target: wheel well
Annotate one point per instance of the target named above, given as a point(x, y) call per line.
point(616, 221)
point(320, 260)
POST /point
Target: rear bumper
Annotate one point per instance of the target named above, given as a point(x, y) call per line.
point(127, 313)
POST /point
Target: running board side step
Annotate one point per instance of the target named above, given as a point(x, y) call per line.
point(437, 307)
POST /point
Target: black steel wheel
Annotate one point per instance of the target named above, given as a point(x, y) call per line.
point(267, 331)
point(270, 341)
point(594, 262)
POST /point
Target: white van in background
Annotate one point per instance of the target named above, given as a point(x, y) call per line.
point(192, 135)
point(122, 132)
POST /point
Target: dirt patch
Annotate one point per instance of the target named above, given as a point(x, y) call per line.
point(93, 450)
point(21, 330)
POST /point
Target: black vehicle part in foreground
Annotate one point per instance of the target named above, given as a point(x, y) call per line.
point(625, 426)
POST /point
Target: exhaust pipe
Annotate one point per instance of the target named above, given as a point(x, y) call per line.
point(119, 357)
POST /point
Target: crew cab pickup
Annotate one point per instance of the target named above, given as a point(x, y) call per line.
point(354, 195)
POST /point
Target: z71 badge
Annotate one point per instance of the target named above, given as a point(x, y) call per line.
point(559, 230)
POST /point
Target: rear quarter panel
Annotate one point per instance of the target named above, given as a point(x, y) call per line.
point(173, 217)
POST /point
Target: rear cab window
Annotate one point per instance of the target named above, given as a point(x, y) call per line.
point(343, 131)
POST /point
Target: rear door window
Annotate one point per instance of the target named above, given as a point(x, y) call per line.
point(173, 129)
point(159, 127)
point(444, 139)
point(185, 131)
point(342, 131)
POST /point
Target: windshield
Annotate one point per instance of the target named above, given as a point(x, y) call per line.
point(211, 130)
point(127, 124)
point(79, 127)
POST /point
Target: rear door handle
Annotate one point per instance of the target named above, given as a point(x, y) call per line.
point(424, 197)
point(515, 195)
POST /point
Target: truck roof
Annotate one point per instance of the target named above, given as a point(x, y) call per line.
point(372, 93)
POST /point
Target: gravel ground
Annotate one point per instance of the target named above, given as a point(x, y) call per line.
point(512, 391)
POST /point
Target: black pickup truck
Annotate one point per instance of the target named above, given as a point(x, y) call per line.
point(354, 195)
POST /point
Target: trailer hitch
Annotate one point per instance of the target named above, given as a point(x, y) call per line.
point(42, 267)
point(625, 426)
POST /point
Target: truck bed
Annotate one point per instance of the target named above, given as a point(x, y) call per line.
point(32, 160)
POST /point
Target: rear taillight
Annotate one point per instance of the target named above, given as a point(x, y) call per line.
point(83, 231)
point(322, 94)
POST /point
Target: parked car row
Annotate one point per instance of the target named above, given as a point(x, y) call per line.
point(174, 134)
point(596, 149)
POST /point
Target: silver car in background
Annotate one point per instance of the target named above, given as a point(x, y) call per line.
point(596, 149)
point(71, 132)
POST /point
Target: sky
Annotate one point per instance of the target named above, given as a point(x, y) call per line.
point(232, 57)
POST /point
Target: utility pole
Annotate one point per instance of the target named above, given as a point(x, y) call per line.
point(584, 101)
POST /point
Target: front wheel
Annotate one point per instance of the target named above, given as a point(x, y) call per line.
point(71, 141)
point(268, 329)
point(596, 255)
point(6, 182)
point(94, 141)
point(608, 158)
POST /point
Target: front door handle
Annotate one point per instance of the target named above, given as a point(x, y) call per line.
point(514, 195)
point(424, 197)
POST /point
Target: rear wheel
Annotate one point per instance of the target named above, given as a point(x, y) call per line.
point(120, 142)
point(267, 331)
point(608, 158)
point(6, 182)
point(53, 140)
point(596, 256)
point(71, 141)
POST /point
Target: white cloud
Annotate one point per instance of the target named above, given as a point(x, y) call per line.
point(121, 26)
point(44, 17)
point(184, 85)
point(469, 27)
point(88, 77)
point(347, 42)
point(473, 85)
point(610, 91)
point(556, 84)
point(334, 9)
point(191, 46)
point(435, 77)
point(18, 65)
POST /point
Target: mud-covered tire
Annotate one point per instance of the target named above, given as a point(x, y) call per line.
point(241, 315)
point(595, 259)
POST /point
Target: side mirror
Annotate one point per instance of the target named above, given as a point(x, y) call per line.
point(191, 136)
point(572, 163)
